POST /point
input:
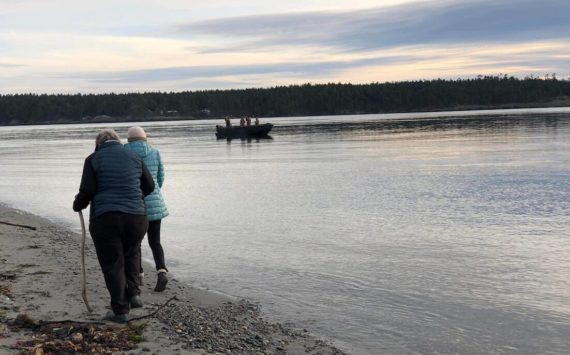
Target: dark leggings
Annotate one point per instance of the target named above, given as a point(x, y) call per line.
point(155, 246)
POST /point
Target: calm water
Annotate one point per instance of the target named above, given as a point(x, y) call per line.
point(398, 234)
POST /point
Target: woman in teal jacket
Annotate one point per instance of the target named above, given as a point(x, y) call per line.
point(156, 208)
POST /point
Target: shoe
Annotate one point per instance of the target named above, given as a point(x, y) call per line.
point(136, 302)
point(161, 282)
point(116, 318)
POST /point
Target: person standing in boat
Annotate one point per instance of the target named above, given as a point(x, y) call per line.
point(257, 121)
point(248, 121)
point(228, 121)
point(156, 207)
point(242, 121)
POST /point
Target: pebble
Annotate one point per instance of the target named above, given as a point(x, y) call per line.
point(76, 337)
point(233, 328)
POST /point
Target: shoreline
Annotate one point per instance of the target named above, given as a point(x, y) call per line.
point(558, 103)
point(40, 277)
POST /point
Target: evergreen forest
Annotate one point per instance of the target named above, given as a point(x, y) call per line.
point(295, 100)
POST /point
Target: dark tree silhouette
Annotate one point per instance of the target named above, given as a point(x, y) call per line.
point(295, 100)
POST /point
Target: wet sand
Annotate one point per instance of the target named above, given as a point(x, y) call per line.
point(40, 277)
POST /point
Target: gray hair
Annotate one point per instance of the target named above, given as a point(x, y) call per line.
point(106, 135)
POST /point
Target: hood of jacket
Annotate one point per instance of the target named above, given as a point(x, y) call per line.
point(140, 147)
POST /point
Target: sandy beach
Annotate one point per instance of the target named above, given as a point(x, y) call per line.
point(41, 308)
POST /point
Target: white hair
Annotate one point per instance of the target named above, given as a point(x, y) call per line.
point(106, 135)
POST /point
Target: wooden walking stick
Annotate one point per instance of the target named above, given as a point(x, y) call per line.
point(83, 277)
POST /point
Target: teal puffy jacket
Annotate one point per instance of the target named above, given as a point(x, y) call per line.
point(151, 157)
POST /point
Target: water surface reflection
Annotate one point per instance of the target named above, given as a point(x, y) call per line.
point(397, 234)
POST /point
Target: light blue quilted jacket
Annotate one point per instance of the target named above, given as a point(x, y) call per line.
point(151, 157)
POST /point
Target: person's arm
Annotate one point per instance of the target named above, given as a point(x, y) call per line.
point(160, 176)
point(147, 183)
point(87, 188)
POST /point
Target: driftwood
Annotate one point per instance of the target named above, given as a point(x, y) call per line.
point(69, 321)
point(156, 311)
point(25, 321)
point(18, 225)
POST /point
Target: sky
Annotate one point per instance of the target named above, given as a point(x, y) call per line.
point(70, 46)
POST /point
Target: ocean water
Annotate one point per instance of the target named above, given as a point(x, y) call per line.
point(433, 233)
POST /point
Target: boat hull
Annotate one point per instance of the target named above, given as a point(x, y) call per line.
point(261, 130)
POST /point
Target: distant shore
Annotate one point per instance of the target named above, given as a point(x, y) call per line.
point(559, 102)
point(40, 281)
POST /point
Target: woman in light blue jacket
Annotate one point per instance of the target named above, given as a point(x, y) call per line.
point(156, 208)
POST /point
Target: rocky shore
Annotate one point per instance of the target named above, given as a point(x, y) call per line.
point(42, 312)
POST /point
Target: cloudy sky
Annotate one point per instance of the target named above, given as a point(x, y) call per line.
point(70, 46)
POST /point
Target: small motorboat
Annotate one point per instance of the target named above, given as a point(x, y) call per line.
point(254, 131)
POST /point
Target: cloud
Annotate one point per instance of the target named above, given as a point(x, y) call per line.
point(409, 63)
point(11, 65)
point(95, 48)
point(213, 71)
point(441, 22)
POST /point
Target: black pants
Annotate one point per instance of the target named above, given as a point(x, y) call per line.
point(117, 237)
point(155, 246)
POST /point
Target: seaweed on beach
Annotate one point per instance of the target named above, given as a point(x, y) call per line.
point(68, 337)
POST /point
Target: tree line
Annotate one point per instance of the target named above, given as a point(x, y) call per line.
point(293, 100)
